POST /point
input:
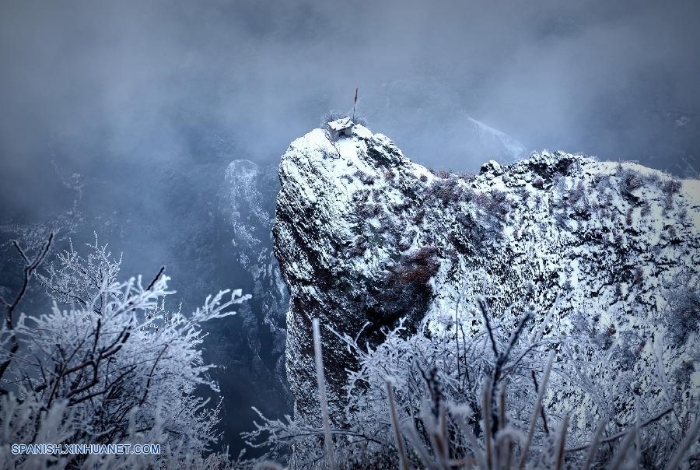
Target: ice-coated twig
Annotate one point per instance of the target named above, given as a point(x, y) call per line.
point(538, 404)
point(561, 442)
point(593, 448)
point(322, 393)
point(690, 437)
point(621, 434)
point(401, 449)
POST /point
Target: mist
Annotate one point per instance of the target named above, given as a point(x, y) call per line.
point(130, 111)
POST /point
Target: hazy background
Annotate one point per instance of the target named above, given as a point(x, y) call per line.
point(121, 117)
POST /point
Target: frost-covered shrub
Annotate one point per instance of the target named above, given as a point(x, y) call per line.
point(670, 188)
point(416, 268)
point(683, 314)
point(578, 200)
point(506, 394)
point(447, 190)
point(493, 204)
point(440, 173)
point(364, 177)
point(359, 246)
point(360, 196)
point(368, 210)
point(630, 181)
point(418, 217)
point(108, 364)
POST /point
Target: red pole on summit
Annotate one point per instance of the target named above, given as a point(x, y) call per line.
point(353, 106)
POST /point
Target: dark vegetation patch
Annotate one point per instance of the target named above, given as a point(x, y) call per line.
point(364, 177)
point(684, 314)
point(573, 203)
point(494, 206)
point(360, 196)
point(404, 292)
point(359, 246)
point(417, 268)
point(383, 155)
point(367, 210)
point(440, 173)
point(630, 181)
point(472, 235)
point(547, 170)
point(670, 188)
point(447, 191)
point(419, 216)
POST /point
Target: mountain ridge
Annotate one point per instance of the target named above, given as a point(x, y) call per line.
point(364, 237)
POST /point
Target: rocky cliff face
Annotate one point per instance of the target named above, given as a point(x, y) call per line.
point(365, 237)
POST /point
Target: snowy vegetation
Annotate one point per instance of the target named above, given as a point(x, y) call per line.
point(108, 364)
point(507, 397)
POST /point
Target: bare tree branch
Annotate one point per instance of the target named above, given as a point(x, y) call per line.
point(620, 434)
point(29, 268)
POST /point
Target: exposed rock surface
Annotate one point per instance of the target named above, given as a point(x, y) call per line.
point(364, 237)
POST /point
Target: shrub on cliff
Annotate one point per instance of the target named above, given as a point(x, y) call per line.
point(507, 395)
point(406, 289)
point(684, 314)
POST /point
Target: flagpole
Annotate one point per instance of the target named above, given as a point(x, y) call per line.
point(353, 106)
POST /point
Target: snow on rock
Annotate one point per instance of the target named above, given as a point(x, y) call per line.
point(364, 237)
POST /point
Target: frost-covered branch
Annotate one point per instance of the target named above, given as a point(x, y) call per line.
point(7, 332)
point(409, 405)
point(111, 360)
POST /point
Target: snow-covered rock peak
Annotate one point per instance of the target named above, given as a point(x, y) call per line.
point(364, 237)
